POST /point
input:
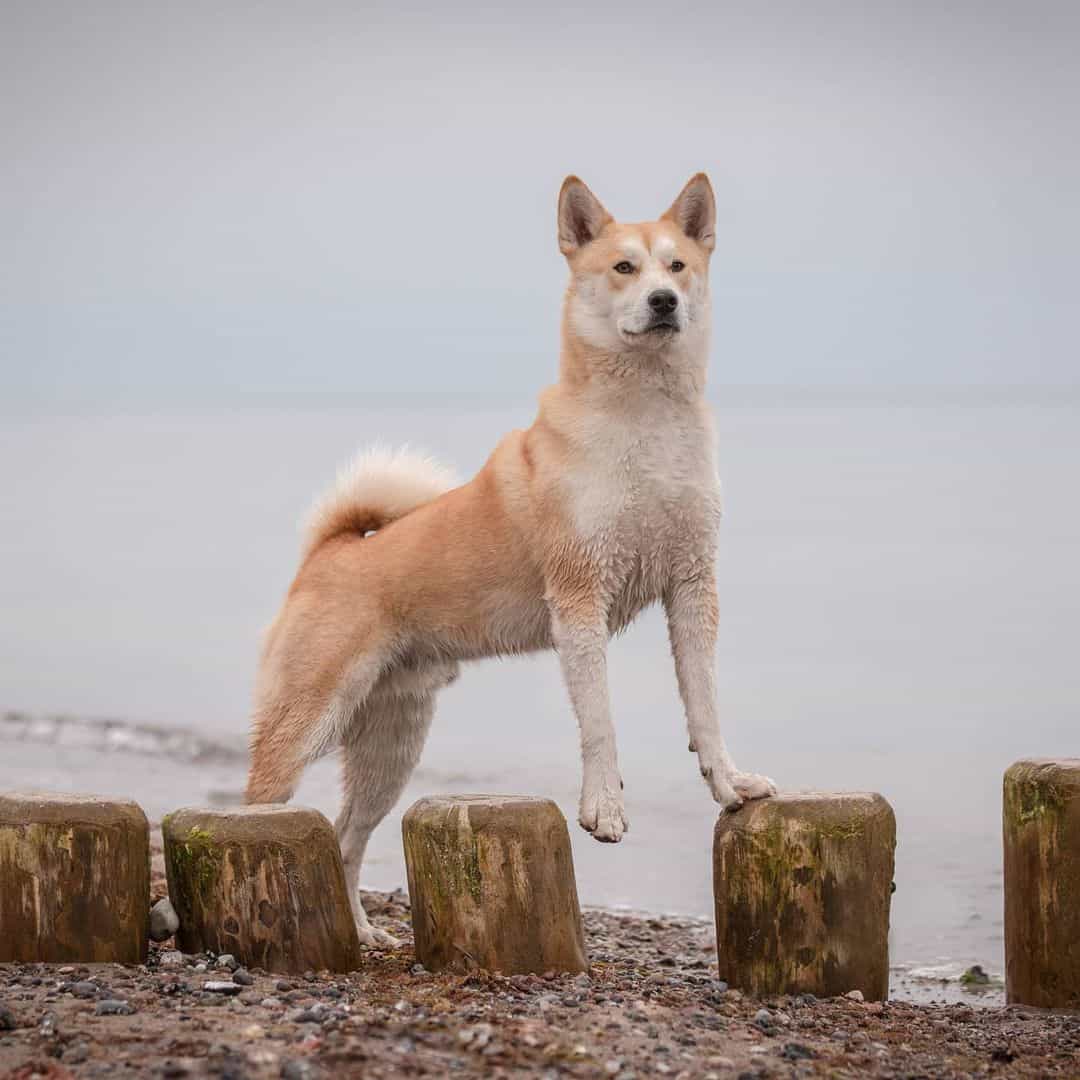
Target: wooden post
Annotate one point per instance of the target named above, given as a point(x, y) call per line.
point(1041, 817)
point(264, 883)
point(491, 882)
point(802, 884)
point(74, 879)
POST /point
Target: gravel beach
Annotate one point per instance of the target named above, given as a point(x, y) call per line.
point(651, 1005)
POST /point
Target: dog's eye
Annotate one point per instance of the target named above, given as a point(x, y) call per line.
point(676, 266)
point(624, 267)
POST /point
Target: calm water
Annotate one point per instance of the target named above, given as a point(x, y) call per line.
point(899, 593)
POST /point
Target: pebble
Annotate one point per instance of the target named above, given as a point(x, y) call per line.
point(270, 1003)
point(855, 995)
point(215, 986)
point(298, 1069)
point(227, 960)
point(76, 1053)
point(241, 976)
point(171, 958)
point(112, 1007)
point(85, 989)
point(164, 922)
point(7, 1019)
point(764, 1020)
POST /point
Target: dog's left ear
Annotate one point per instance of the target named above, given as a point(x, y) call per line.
point(694, 211)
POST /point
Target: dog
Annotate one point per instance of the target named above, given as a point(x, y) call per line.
point(609, 502)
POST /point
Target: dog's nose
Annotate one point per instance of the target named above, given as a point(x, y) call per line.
point(663, 301)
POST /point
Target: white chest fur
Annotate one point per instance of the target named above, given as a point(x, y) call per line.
point(642, 493)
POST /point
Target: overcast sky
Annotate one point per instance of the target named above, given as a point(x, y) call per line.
point(213, 202)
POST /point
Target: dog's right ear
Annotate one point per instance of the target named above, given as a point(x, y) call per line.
point(581, 216)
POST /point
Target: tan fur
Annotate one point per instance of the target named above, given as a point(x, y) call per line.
point(607, 503)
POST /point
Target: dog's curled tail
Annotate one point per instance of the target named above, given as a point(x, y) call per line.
point(378, 486)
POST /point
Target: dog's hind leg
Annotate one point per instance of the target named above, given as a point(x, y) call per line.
point(380, 752)
point(300, 715)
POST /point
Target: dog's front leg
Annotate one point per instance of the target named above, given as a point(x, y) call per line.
point(580, 637)
point(691, 606)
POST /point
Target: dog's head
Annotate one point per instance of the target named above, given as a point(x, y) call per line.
point(642, 286)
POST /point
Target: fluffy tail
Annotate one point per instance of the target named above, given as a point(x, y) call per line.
point(378, 486)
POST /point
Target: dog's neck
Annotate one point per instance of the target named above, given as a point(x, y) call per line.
point(676, 370)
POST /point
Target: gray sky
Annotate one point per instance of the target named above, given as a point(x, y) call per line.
point(210, 202)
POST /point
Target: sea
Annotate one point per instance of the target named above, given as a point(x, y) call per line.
point(900, 612)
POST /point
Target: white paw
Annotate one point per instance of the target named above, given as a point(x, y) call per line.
point(376, 939)
point(753, 785)
point(603, 814)
point(732, 789)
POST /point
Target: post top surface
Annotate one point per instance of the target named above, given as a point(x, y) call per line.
point(262, 821)
point(805, 806)
point(483, 811)
point(483, 800)
point(1062, 764)
point(38, 807)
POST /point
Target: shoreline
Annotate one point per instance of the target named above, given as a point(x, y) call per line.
point(651, 1005)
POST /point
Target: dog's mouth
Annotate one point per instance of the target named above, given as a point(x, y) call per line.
point(668, 326)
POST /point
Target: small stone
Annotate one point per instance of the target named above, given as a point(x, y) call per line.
point(112, 1007)
point(226, 960)
point(794, 1051)
point(241, 976)
point(200, 967)
point(764, 1020)
point(7, 1019)
point(76, 1054)
point(855, 995)
point(270, 1003)
point(418, 969)
point(85, 989)
point(171, 958)
point(163, 920)
point(298, 1069)
point(215, 986)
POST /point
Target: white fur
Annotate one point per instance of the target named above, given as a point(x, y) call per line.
point(391, 481)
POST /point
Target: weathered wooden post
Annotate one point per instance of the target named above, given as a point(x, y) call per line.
point(803, 885)
point(1041, 812)
point(264, 883)
point(491, 882)
point(74, 879)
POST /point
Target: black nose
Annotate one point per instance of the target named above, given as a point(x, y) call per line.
point(663, 301)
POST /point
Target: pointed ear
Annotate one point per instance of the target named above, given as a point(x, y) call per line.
point(694, 211)
point(581, 216)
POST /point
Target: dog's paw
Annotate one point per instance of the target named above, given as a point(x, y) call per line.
point(376, 939)
point(752, 785)
point(603, 814)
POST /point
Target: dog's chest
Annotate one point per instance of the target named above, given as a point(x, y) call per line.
point(644, 498)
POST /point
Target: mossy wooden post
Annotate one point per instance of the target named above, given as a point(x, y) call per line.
point(491, 881)
point(264, 883)
point(803, 886)
point(1041, 811)
point(74, 879)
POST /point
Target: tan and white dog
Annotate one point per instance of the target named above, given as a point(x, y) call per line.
point(608, 503)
